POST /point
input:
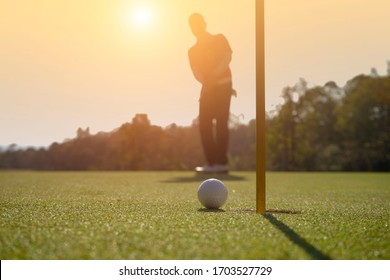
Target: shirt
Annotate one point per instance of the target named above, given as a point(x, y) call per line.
point(206, 55)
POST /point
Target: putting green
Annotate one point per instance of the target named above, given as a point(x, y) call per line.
point(156, 215)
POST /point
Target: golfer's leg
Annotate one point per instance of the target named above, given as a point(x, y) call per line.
point(206, 131)
point(222, 131)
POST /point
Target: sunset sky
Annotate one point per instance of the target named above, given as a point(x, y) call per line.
point(66, 64)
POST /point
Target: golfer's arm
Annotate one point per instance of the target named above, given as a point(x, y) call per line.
point(223, 65)
point(198, 75)
point(195, 70)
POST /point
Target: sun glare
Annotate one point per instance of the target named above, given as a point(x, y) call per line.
point(142, 16)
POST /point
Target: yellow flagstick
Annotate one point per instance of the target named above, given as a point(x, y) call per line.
point(260, 109)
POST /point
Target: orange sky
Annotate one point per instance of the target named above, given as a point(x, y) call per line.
point(66, 64)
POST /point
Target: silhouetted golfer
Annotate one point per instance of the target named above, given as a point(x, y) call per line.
point(209, 59)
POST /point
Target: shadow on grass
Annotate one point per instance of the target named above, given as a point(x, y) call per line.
point(269, 211)
point(198, 177)
point(205, 210)
point(294, 237)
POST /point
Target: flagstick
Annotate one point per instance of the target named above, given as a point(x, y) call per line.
point(260, 109)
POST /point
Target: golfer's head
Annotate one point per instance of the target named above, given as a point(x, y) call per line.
point(197, 24)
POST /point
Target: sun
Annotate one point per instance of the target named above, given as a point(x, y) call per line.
point(142, 16)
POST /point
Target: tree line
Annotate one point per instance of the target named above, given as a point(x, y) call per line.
point(332, 128)
point(317, 128)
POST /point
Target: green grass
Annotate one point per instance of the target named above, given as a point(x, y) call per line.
point(156, 215)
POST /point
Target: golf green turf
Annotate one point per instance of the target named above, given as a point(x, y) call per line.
point(156, 215)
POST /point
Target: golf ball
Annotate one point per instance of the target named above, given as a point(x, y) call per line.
point(212, 193)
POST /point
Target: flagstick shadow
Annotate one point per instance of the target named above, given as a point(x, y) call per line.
point(294, 237)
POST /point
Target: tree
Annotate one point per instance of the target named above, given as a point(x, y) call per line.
point(364, 123)
point(302, 136)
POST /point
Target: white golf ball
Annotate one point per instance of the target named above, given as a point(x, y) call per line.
point(212, 193)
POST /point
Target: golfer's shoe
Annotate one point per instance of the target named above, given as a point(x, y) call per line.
point(215, 168)
point(205, 169)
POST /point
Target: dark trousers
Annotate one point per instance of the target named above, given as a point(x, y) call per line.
point(214, 108)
